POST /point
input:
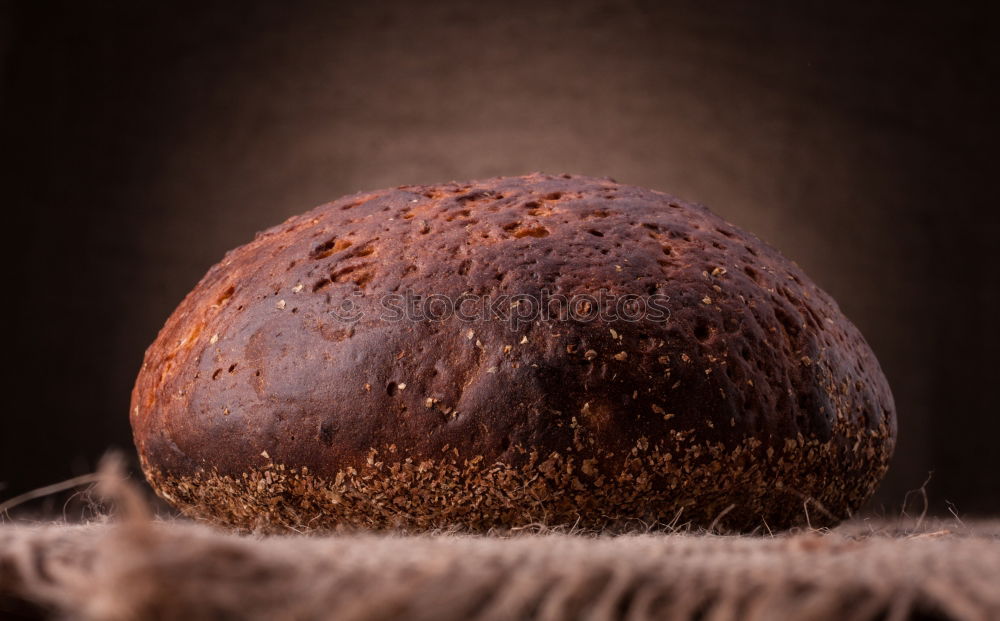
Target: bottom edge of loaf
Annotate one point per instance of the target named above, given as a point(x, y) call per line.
point(807, 483)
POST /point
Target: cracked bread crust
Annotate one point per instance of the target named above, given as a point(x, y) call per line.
point(259, 408)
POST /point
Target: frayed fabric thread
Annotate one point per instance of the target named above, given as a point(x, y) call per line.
point(137, 567)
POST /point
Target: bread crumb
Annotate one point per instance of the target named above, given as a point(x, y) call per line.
point(718, 271)
point(621, 356)
point(401, 386)
point(280, 305)
point(524, 339)
point(590, 354)
point(706, 300)
point(507, 348)
point(470, 335)
point(297, 288)
point(657, 409)
point(214, 339)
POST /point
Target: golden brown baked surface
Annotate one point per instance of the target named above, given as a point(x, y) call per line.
point(268, 402)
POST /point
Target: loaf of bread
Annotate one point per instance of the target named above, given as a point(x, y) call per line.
point(558, 350)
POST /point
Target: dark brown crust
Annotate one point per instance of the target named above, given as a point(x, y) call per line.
point(257, 407)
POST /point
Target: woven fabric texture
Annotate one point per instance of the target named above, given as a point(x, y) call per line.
point(137, 568)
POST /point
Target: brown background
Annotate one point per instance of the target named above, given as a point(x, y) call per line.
point(141, 141)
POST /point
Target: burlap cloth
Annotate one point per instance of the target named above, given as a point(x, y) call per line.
point(135, 567)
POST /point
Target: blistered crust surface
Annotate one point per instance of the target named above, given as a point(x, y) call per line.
point(258, 407)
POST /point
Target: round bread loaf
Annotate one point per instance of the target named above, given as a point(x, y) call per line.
point(520, 350)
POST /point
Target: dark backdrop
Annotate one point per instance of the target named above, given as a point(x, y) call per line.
point(142, 140)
